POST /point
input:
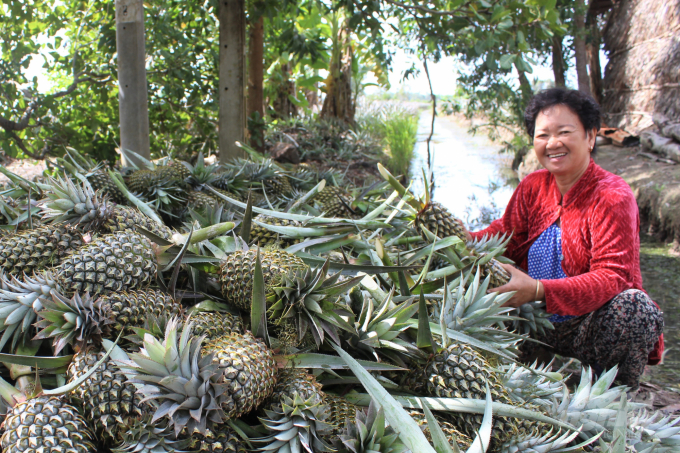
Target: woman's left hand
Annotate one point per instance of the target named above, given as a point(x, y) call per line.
point(524, 286)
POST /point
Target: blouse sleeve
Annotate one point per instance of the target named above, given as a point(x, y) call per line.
point(614, 228)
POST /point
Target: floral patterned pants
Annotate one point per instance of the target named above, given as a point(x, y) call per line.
point(622, 332)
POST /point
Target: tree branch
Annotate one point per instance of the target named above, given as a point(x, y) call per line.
point(427, 10)
point(20, 143)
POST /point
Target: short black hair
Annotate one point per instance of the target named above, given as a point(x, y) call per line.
point(583, 105)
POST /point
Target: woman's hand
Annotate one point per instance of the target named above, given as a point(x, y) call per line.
point(524, 286)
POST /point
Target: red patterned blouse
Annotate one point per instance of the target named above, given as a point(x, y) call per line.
point(600, 238)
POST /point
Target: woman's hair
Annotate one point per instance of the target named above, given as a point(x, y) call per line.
point(584, 106)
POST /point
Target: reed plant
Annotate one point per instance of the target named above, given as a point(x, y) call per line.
point(396, 127)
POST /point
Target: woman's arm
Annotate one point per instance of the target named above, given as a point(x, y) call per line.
point(614, 232)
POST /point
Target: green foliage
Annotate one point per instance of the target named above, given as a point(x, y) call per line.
point(396, 127)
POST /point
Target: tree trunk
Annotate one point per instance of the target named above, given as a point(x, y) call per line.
point(558, 61)
point(593, 49)
point(256, 68)
point(132, 91)
point(339, 101)
point(232, 118)
point(580, 47)
point(282, 104)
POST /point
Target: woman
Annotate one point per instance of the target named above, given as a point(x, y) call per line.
point(575, 230)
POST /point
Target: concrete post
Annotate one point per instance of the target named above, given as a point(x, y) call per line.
point(132, 89)
point(232, 118)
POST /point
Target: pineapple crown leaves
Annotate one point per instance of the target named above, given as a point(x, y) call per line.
point(369, 433)
point(531, 384)
point(295, 424)
point(200, 173)
point(312, 296)
point(467, 304)
point(19, 303)
point(186, 385)
point(68, 201)
point(76, 320)
point(378, 327)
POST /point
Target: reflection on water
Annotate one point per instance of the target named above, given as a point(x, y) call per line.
point(471, 178)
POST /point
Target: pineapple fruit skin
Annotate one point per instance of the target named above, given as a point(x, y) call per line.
point(100, 180)
point(214, 325)
point(36, 249)
point(109, 263)
point(439, 221)
point(132, 308)
point(339, 412)
point(236, 273)
point(46, 424)
point(107, 401)
point(461, 372)
point(125, 218)
point(249, 370)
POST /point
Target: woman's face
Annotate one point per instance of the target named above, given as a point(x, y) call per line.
point(561, 143)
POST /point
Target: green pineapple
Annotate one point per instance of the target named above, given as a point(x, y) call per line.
point(81, 319)
point(107, 400)
point(249, 371)
point(295, 422)
point(220, 380)
point(221, 439)
point(110, 263)
point(145, 436)
point(45, 424)
point(74, 204)
point(33, 250)
point(452, 434)
point(237, 270)
point(214, 324)
point(340, 411)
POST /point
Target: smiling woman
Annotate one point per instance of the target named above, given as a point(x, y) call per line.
point(575, 235)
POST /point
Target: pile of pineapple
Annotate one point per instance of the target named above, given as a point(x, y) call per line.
point(192, 307)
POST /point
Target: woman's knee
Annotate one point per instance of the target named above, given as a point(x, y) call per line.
point(632, 311)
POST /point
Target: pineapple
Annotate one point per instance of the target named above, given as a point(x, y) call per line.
point(440, 222)
point(249, 370)
point(33, 250)
point(458, 371)
point(82, 318)
point(335, 202)
point(200, 200)
point(214, 325)
point(70, 203)
point(107, 400)
point(96, 174)
point(237, 270)
point(110, 263)
point(198, 387)
point(291, 381)
point(45, 424)
point(340, 411)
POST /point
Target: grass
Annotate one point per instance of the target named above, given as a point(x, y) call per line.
point(396, 127)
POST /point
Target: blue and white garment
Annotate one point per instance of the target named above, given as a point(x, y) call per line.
point(545, 261)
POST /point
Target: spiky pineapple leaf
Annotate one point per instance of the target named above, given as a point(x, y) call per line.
point(329, 362)
point(402, 423)
point(247, 219)
point(441, 443)
point(424, 339)
point(36, 362)
point(483, 438)
point(145, 208)
point(258, 305)
point(466, 405)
